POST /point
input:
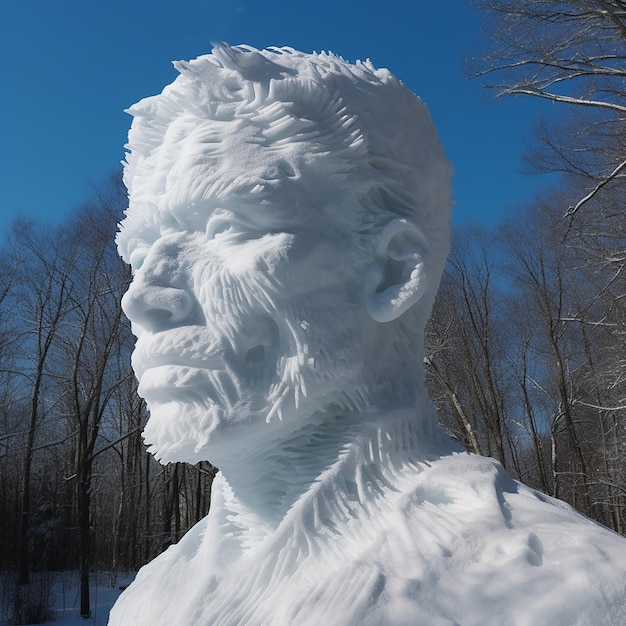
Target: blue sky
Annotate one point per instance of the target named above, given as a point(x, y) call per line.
point(71, 68)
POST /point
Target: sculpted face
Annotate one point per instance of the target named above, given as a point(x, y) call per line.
point(247, 324)
point(273, 234)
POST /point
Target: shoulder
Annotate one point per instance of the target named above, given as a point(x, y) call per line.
point(465, 539)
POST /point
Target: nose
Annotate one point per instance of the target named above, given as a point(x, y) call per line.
point(156, 307)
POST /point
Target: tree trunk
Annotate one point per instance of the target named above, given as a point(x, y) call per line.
point(84, 508)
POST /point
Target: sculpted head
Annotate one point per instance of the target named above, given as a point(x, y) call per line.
point(288, 223)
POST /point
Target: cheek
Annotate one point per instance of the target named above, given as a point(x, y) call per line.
point(240, 280)
point(240, 304)
point(317, 266)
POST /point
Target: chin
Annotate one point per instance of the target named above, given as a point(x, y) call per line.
point(175, 431)
point(179, 432)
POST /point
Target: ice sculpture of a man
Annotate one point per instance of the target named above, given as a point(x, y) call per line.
point(287, 228)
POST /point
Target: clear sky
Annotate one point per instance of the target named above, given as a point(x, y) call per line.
point(71, 67)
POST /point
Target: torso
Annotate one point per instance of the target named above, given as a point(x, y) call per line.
point(454, 541)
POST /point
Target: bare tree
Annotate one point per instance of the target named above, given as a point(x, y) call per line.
point(524, 354)
point(571, 53)
point(43, 295)
point(466, 348)
point(571, 263)
point(88, 374)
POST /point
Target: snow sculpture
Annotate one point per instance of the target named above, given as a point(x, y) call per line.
point(287, 227)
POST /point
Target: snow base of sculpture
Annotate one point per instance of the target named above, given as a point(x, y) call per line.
point(451, 540)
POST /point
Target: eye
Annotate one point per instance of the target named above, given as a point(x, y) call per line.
point(218, 226)
point(138, 256)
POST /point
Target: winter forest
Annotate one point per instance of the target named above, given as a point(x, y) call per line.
point(525, 349)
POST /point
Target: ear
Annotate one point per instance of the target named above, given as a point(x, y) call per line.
point(396, 280)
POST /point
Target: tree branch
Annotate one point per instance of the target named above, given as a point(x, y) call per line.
point(525, 91)
point(573, 209)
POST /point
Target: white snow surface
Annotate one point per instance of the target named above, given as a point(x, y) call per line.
point(453, 540)
point(288, 223)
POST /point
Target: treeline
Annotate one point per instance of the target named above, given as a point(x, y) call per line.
point(525, 354)
point(77, 488)
point(524, 359)
point(526, 347)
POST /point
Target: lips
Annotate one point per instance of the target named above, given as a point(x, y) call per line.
point(179, 383)
point(192, 347)
point(193, 364)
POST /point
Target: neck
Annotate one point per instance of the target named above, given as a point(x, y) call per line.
point(340, 456)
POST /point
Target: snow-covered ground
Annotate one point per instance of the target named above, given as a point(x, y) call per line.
point(65, 598)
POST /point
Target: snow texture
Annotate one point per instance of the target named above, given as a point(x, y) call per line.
point(287, 227)
point(64, 595)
